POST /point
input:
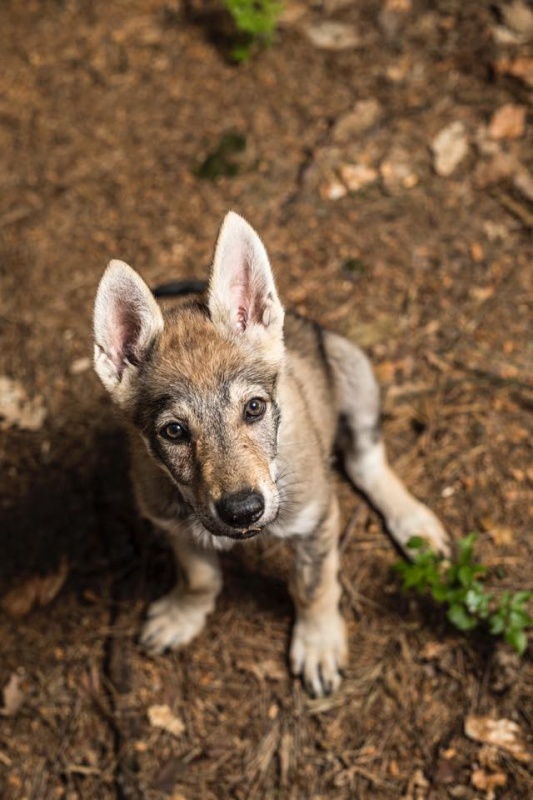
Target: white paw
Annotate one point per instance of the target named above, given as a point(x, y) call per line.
point(319, 652)
point(418, 520)
point(174, 620)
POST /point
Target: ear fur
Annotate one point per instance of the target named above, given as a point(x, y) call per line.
point(127, 320)
point(243, 300)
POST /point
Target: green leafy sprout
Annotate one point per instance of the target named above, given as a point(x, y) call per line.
point(458, 585)
point(255, 21)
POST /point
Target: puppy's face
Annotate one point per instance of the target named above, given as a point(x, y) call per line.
point(206, 408)
point(200, 383)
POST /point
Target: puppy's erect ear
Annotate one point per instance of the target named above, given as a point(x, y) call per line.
point(127, 321)
point(243, 300)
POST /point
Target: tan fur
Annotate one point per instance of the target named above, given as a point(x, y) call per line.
point(205, 371)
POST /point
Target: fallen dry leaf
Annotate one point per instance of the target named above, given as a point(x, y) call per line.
point(499, 168)
point(487, 782)
point(508, 122)
point(366, 334)
point(449, 147)
point(523, 182)
point(162, 717)
point(16, 408)
point(35, 591)
point(501, 733)
point(518, 17)
point(477, 253)
point(13, 696)
point(434, 650)
point(521, 68)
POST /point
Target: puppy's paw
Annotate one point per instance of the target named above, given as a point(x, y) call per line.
point(319, 652)
point(173, 621)
point(418, 520)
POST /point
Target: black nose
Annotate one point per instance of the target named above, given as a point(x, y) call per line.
point(242, 509)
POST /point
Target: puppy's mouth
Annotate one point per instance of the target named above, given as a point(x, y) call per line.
point(242, 536)
point(218, 529)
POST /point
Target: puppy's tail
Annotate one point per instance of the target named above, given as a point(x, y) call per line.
point(179, 288)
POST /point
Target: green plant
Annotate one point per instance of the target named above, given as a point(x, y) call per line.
point(458, 585)
point(255, 21)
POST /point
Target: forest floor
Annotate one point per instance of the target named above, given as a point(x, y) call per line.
point(389, 170)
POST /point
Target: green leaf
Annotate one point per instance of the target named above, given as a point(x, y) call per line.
point(466, 548)
point(517, 639)
point(496, 624)
point(460, 617)
point(520, 599)
point(466, 575)
point(439, 592)
point(519, 619)
point(416, 543)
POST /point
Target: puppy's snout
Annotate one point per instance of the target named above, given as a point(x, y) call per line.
point(241, 509)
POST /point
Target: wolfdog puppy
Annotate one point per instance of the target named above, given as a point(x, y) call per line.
point(235, 410)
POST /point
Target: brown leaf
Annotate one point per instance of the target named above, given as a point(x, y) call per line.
point(488, 782)
point(508, 122)
point(35, 591)
point(521, 68)
point(501, 733)
point(16, 408)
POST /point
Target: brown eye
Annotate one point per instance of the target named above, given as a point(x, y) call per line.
point(175, 432)
point(254, 409)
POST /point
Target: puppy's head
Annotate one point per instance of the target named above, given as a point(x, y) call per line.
point(200, 382)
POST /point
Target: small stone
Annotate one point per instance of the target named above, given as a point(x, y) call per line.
point(365, 114)
point(333, 190)
point(333, 36)
point(80, 365)
point(449, 148)
point(355, 176)
point(160, 716)
point(397, 172)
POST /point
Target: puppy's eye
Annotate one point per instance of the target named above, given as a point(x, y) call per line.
point(175, 432)
point(254, 409)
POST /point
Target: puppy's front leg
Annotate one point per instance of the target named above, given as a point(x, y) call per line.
point(318, 648)
point(179, 616)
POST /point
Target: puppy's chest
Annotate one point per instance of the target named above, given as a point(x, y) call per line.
point(298, 519)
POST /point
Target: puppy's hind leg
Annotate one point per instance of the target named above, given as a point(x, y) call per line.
point(177, 617)
point(363, 451)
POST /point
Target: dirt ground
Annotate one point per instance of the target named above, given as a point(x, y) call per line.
point(114, 119)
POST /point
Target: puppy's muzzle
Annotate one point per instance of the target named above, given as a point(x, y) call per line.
point(242, 509)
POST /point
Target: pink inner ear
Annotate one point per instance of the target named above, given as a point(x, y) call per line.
point(247, 299)
point(125, 328)
point(240, 295)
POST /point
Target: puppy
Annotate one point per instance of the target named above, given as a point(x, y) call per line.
point(235, 410)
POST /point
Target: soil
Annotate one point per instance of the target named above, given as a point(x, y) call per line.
point(126, 132)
